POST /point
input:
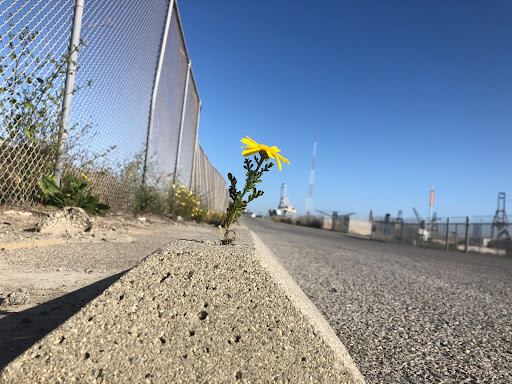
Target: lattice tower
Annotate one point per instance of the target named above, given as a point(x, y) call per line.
point(309, 201)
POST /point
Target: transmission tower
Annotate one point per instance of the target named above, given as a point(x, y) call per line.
point(500, 221)
point(309, 201)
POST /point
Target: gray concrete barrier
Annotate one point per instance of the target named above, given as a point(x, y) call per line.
point(194, 311)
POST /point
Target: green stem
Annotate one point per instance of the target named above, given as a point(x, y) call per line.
point(248, 185)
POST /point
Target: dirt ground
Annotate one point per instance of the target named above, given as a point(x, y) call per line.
point(46, 278)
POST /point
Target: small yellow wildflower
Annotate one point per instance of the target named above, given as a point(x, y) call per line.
point(251, 147)
point(68, 194)
point(182, 203)
point(85, 177)
point(173, 186)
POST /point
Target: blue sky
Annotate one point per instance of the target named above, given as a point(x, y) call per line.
point(402, 94)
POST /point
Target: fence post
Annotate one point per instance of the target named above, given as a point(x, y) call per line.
point(68, 89)
point(447, 239)
point(215, 188)
point(195, 157)
point(456, 236)
point(155, 89)
point(182, 122)
point(403, 231)
point(207, 179)
point(466, 246)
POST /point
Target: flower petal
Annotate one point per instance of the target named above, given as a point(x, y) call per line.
point(283, 158)
point(249, 141)
point(279, 164)
point(251, 151)
point(275, 149)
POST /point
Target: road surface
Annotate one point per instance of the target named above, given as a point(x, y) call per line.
point(406, 314)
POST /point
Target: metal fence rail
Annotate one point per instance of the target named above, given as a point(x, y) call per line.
point(477, 234)
point(135, 106)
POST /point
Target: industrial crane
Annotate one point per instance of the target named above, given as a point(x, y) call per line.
point(335, 213)
point(422, 231)
point(421, 222)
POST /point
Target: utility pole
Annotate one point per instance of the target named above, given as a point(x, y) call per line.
point(432, 195)
point(309, 201)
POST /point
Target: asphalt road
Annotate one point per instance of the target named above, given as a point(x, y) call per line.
point(406, 315)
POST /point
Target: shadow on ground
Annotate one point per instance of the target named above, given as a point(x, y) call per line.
point(19, 331)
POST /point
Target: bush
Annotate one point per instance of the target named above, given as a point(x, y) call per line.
point(315, 223)
point(74, 193)
point(184, 203)
point(147, 200)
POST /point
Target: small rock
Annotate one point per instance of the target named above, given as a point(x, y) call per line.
point(18, 297)
point(179, 218)
point(437, 374)
point(141, 219)
point(66, 221)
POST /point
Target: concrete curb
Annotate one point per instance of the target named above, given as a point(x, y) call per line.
point(193, 311)
point(306, 307)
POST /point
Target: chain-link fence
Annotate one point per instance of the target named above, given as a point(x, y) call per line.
point(477, 234)
point(134, 110)
point(209, 183)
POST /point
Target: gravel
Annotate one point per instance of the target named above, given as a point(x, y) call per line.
point(406, 315)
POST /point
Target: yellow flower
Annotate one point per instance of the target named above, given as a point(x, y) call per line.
point(182, 203)
point(85, 177)
point(173, 186)
point(265, 151)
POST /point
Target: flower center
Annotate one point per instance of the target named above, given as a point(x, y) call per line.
point(263, 152)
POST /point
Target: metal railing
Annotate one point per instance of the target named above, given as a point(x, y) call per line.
point(475, 234)
point(130, 113)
